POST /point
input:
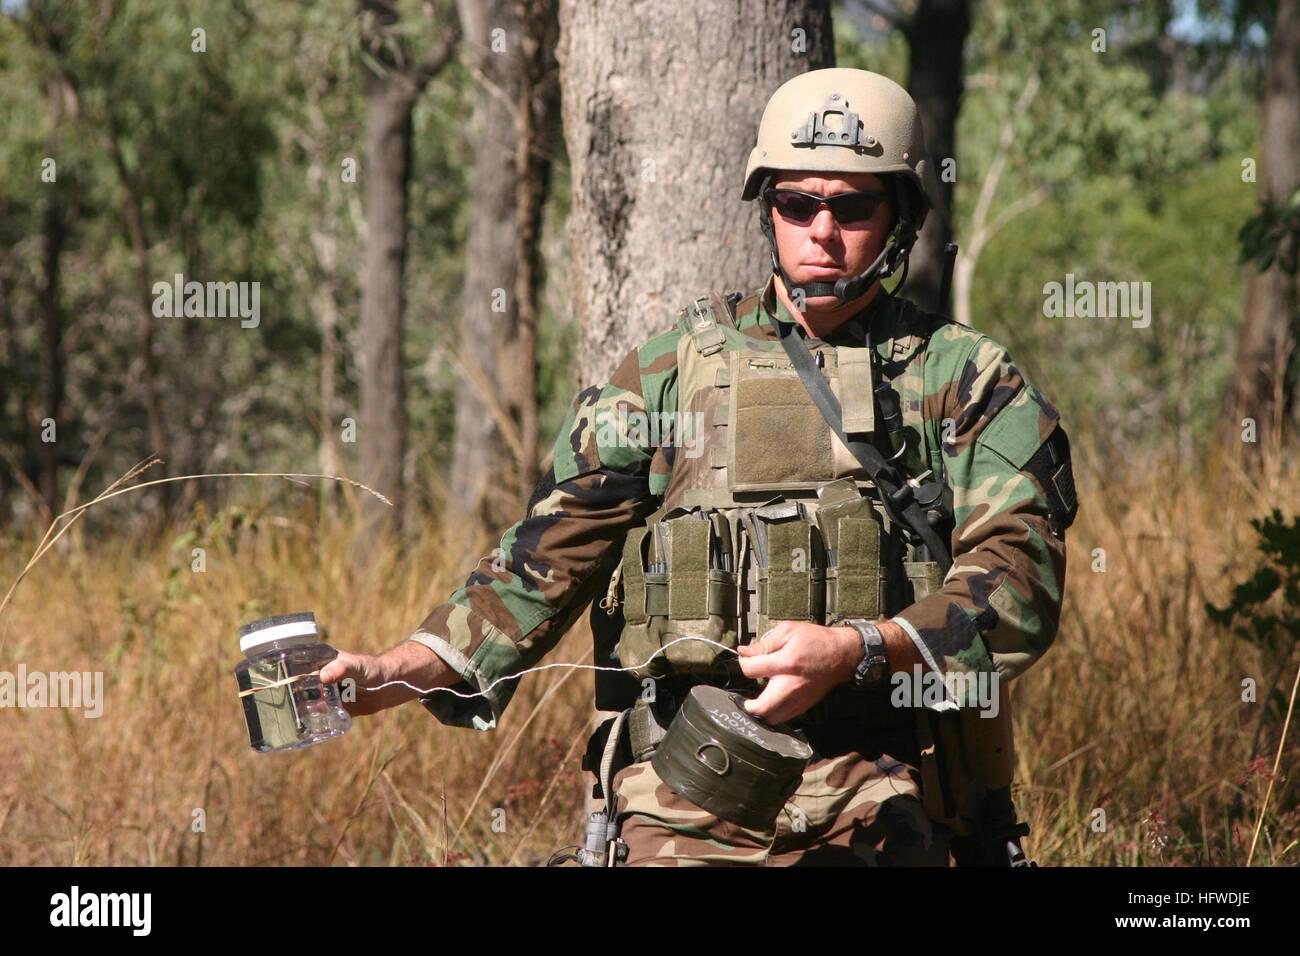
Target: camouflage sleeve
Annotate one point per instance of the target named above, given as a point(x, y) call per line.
point(518, 603)
point(1006, 458)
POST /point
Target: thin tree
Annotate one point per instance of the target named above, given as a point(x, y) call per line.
point(936, 34)
point(509, 48)
point(393, 83)
point(1260, 388)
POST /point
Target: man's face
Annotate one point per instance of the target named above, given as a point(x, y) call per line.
point(823, 249)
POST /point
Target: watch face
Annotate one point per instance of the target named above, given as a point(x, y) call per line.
point(876, 671)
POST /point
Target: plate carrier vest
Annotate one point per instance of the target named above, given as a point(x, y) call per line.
point(767, 516)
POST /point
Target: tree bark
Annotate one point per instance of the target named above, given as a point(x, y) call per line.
point(983, 224)
point(536, 134)
point(481, 453)
point(324, 279)
point(661, 106)
point(936, 36)
point(1267, 342)
point(392, 86)
point(495, 450)
point(661, 109)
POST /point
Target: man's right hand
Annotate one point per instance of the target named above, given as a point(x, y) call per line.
point(409, 661)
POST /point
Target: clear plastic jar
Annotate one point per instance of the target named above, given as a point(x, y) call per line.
point(285, 704)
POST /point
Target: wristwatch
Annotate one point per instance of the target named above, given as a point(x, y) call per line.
point(874, 666)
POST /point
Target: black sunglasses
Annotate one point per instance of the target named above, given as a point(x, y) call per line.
point(800, 207)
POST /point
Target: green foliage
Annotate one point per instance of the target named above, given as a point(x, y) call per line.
point(1134, 389)
point(236, 155)
point(1268, 602)
point(864, 43)
point(1142, 185)
point(1096, 113)
point(1263, 233)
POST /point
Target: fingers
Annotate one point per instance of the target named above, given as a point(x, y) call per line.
point(354, 673)
point(769, 642)
point(763, 665)
point(777, 702)
point(762, 704)
point(763, 657)
point(345, 665)
point(801, 662)
point(335, 670)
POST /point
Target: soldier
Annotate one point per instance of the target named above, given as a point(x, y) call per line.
point(819, 549)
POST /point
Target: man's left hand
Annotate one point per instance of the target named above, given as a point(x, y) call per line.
point(802, 662)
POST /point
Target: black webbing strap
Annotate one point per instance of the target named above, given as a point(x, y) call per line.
point(896, 494)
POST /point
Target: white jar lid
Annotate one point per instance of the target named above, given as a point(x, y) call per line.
point(276, 628)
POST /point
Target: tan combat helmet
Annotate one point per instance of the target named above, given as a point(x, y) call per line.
point(845, 121)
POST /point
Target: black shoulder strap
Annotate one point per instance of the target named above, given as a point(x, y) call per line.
point(895, 493)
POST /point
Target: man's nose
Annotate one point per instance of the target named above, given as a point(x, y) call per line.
point(823, 225)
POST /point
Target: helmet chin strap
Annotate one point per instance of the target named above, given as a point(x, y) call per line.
point(895, 253)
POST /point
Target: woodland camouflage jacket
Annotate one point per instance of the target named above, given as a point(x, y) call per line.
point(993, 435)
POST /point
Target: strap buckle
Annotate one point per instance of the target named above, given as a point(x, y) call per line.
point(704, 329)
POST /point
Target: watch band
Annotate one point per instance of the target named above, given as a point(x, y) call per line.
point(874, 666)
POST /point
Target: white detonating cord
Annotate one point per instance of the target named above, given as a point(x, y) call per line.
point(543, 667)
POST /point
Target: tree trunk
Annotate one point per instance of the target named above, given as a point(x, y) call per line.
point(383, 408)
point(133, 211)
point(1269, 332)
point(325, 305)
point(133, 218)
point(324, 280)
point(481, 453)
point(661, 107)
point(935, 37)
point(55, 233)
point(495, 463)
point(392, 86)
point(536, 135)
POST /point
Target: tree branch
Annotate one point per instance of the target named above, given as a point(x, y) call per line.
point(1005, 141)
point(981, 229)
point(1028, 201)
point(496, 90)
point(442, 51)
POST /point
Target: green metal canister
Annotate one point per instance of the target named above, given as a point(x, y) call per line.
point(727, 761)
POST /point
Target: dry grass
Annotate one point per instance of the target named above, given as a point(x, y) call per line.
point(1137, 711)
point(123, 789)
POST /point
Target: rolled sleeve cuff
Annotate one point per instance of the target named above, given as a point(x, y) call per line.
point(479, 711)
point(953, 648)
point(916, 639)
